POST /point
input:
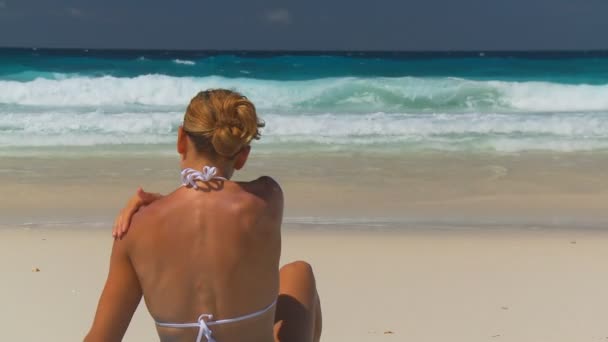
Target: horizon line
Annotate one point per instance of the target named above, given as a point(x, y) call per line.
point(604, 50)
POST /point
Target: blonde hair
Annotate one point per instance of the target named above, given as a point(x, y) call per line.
point(221, 121)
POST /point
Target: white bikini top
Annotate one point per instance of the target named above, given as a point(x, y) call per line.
point(191, 176)
point(206, 320)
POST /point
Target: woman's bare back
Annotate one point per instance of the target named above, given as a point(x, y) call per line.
point(210, 251)
point(211, 247)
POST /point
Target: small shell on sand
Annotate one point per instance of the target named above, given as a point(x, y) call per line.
point(35, 269)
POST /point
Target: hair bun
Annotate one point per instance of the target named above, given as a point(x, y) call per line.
point(227, 122)
point(229, 116)
point(227, 139)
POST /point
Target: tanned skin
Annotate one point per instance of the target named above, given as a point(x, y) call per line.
point(213, 250)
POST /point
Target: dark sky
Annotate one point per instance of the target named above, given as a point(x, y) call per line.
point(307, 24)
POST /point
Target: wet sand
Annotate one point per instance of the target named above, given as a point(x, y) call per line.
point(528, 188)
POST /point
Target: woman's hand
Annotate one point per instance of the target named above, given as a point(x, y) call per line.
point(123, 220)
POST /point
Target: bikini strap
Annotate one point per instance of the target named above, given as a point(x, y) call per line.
point(201, 324)
point(206, 320)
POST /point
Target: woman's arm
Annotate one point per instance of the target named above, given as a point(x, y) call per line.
point(119, 299)
point(123, 220)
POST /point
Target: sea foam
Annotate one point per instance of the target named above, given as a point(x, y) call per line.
point(454, 132)
point(184, 62)
point(333, 95)
point(386, 113)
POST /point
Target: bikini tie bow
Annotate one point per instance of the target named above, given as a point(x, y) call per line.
point(191, 176)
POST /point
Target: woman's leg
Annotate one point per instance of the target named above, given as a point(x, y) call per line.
point(298, 315)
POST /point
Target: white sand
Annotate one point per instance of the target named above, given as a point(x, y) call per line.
point(423, 285)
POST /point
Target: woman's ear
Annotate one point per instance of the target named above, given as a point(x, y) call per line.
point(241, 157)
point(182, 141)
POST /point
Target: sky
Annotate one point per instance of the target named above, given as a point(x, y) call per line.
point(306, 24)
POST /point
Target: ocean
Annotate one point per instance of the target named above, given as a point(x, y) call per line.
point(55, 102)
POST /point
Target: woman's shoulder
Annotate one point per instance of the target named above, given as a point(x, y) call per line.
point(265, 187)
point(265, 192)
point(270, 184)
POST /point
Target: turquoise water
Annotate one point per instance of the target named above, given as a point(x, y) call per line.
point(62, 100)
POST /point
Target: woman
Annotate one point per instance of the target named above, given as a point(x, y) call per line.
point(206, 257)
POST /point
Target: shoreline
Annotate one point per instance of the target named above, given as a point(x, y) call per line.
point(421, 190)
point(372, 226)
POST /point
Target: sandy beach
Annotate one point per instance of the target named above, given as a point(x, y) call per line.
point(423, 248)
point(412, 285)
